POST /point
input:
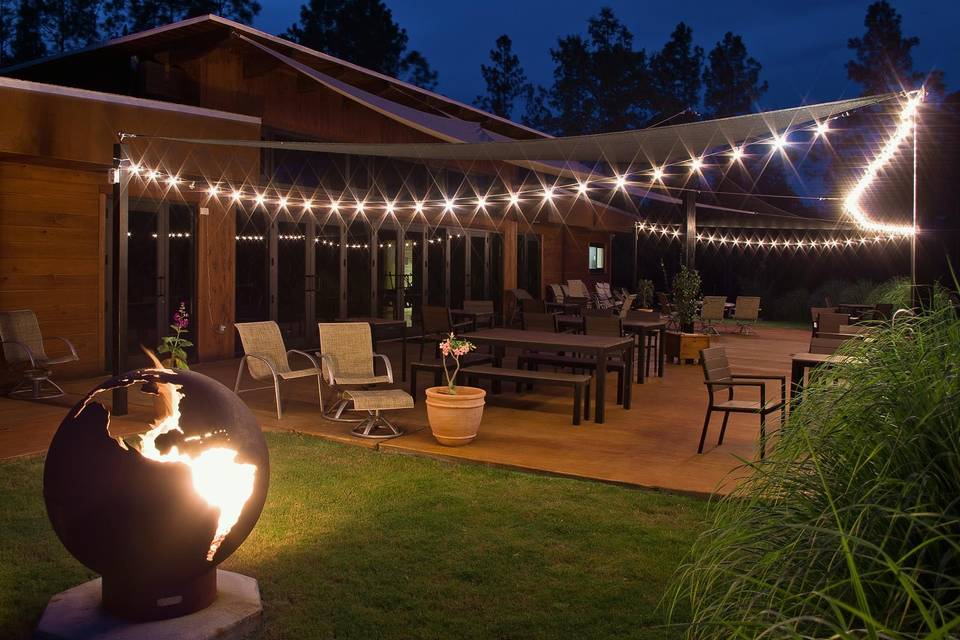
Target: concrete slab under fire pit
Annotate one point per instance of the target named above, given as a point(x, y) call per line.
point(76, 613)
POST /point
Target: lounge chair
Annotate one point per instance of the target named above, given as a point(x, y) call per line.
point(266, 358)
point(577, 289)
point(718, 377)
point(711, 313)
point(627, 304)
point(348, 359)
point(23, 352)
point(604, 297)
point(746, 313)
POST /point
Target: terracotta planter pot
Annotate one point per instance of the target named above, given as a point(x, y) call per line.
point(455, 419)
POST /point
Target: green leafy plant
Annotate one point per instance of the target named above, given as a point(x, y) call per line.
point(850, 528)
point(686, 294)
point(454, 347)
point(645, 293)
point(175, 347)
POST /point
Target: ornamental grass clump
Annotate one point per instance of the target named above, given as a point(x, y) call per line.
point(851, 526)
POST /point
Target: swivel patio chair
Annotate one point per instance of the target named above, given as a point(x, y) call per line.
point(718, 378)
point(23, 352)
point(711, 313)
point(266, 358)
point(348, 360)
point(746, 313)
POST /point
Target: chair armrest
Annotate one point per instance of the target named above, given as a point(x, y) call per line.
point(262, 358)
point(25, 348)
point(326, 358)
point(73, 351)
point(386, 363)
point(313, 361)
point(756, 376)
point(733, 383)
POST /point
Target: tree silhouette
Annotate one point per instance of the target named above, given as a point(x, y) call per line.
point(675, 73)
point(506, 82)
point(27, 42)
point(731, 79)
point(882, 57)
point(363, 32)
point(6, 30)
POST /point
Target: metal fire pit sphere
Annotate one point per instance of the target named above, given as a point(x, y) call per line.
point(155, 513)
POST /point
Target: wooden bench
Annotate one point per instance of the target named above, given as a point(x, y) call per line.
point(436, 368)
point(531, 361)
point(579, 383)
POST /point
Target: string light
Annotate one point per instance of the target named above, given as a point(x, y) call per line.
point(259, 199)
point(548, 193)
point(675, 232)
point(822, 128)
point(283, 202)
point(307, 204)
point(582, 188)
point(621, 182)
point(778, 142)
point(658, 173)
point(236, 195)
point(213, 190)
point(736, 154)
point(696, 164)
point(514, 199)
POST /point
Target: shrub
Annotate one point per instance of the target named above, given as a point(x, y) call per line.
point(851, 526)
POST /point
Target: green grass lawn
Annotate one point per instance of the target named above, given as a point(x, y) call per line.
point(359, 544)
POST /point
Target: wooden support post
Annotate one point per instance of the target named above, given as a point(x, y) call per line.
point(509, 230)
point(690, 234)
point(121, 225)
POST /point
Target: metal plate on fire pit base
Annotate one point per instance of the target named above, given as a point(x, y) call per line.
point(76, 613)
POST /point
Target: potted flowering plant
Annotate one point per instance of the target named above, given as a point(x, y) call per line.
point(454, 413)
point(175, 347)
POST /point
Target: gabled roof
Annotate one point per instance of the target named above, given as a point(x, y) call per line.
point(366, 79)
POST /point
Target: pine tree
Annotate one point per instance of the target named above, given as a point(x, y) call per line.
point(69, 24)
point(731, 79)
point(675, 73)
point(506, 82)
point(240, 10)
point(6, 30)
point(363, 32)
point(883, 59)
point(27, 42)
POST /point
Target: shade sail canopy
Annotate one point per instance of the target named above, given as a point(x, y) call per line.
point(659, 145)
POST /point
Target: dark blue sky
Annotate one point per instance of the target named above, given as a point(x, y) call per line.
point(801, 45)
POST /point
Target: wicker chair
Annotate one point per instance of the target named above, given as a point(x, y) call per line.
point(746, 312)
point(718, 377)
point(23, 351)
point(266, 358)
point(711, 313)
point(348, 359)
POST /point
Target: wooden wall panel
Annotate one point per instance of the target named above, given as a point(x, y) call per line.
point(576, 243)
point(216, 269)
point(51, 255)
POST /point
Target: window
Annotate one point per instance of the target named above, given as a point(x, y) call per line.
point(597, 258)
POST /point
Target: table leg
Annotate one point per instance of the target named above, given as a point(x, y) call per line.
point(642, 358)
point(628, 377)
point(661, 352)
point(598, 412)
point(796, 381)
point(403, 349)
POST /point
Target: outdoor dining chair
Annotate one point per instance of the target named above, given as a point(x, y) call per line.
point(711, 313)
point(346, 353)
point(435, 325)
point(266, 358)
point(533, 306)
point(815, 316)
point(746, 312)
point(829, 322)
point(719, 378)
point(481, 306)
point(825, 345)
point(24, 353)
point(515, 296)
point(539, 322)
point(627, 304)
point(667, 310)
point(653, 337)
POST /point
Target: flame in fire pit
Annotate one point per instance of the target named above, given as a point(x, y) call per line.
point(217, 477)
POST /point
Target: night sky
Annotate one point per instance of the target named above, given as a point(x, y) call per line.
point(801, 45)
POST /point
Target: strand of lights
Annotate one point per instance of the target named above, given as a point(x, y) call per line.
point(851, 204)
point(655, 175)
point(672, 232)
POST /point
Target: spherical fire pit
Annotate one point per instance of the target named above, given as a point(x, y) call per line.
point(155, 513)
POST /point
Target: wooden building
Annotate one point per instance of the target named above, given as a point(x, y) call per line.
point(209, 77)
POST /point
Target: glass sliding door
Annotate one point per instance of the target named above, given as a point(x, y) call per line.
point(359, 289)
point(458, 269)
point(413, 272)
point(437, 269)
point(327, 264)
point(291, 280)
point(479, 268)
point(161, 273)
point(388, 280)
point(253, 267)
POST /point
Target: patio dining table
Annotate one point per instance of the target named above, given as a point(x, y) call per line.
point(639, 328)
point(800, 362)
point(380, 329)
point(601, 347)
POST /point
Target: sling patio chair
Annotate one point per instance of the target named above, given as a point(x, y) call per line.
point(24, 353)
point(718, 378)
point(603, 297)
point(346, 353)
point(577, 289)
point(746, 313)
point(711, 313)
point(266, 358)
point(627, 305)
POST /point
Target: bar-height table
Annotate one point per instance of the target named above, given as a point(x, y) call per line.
point(378, 326)
point(640, 328)
point(601, 347)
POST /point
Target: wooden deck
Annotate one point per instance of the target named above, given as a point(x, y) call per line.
point(653, 445)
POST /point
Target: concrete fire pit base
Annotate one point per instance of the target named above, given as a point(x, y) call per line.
point(76, 613)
